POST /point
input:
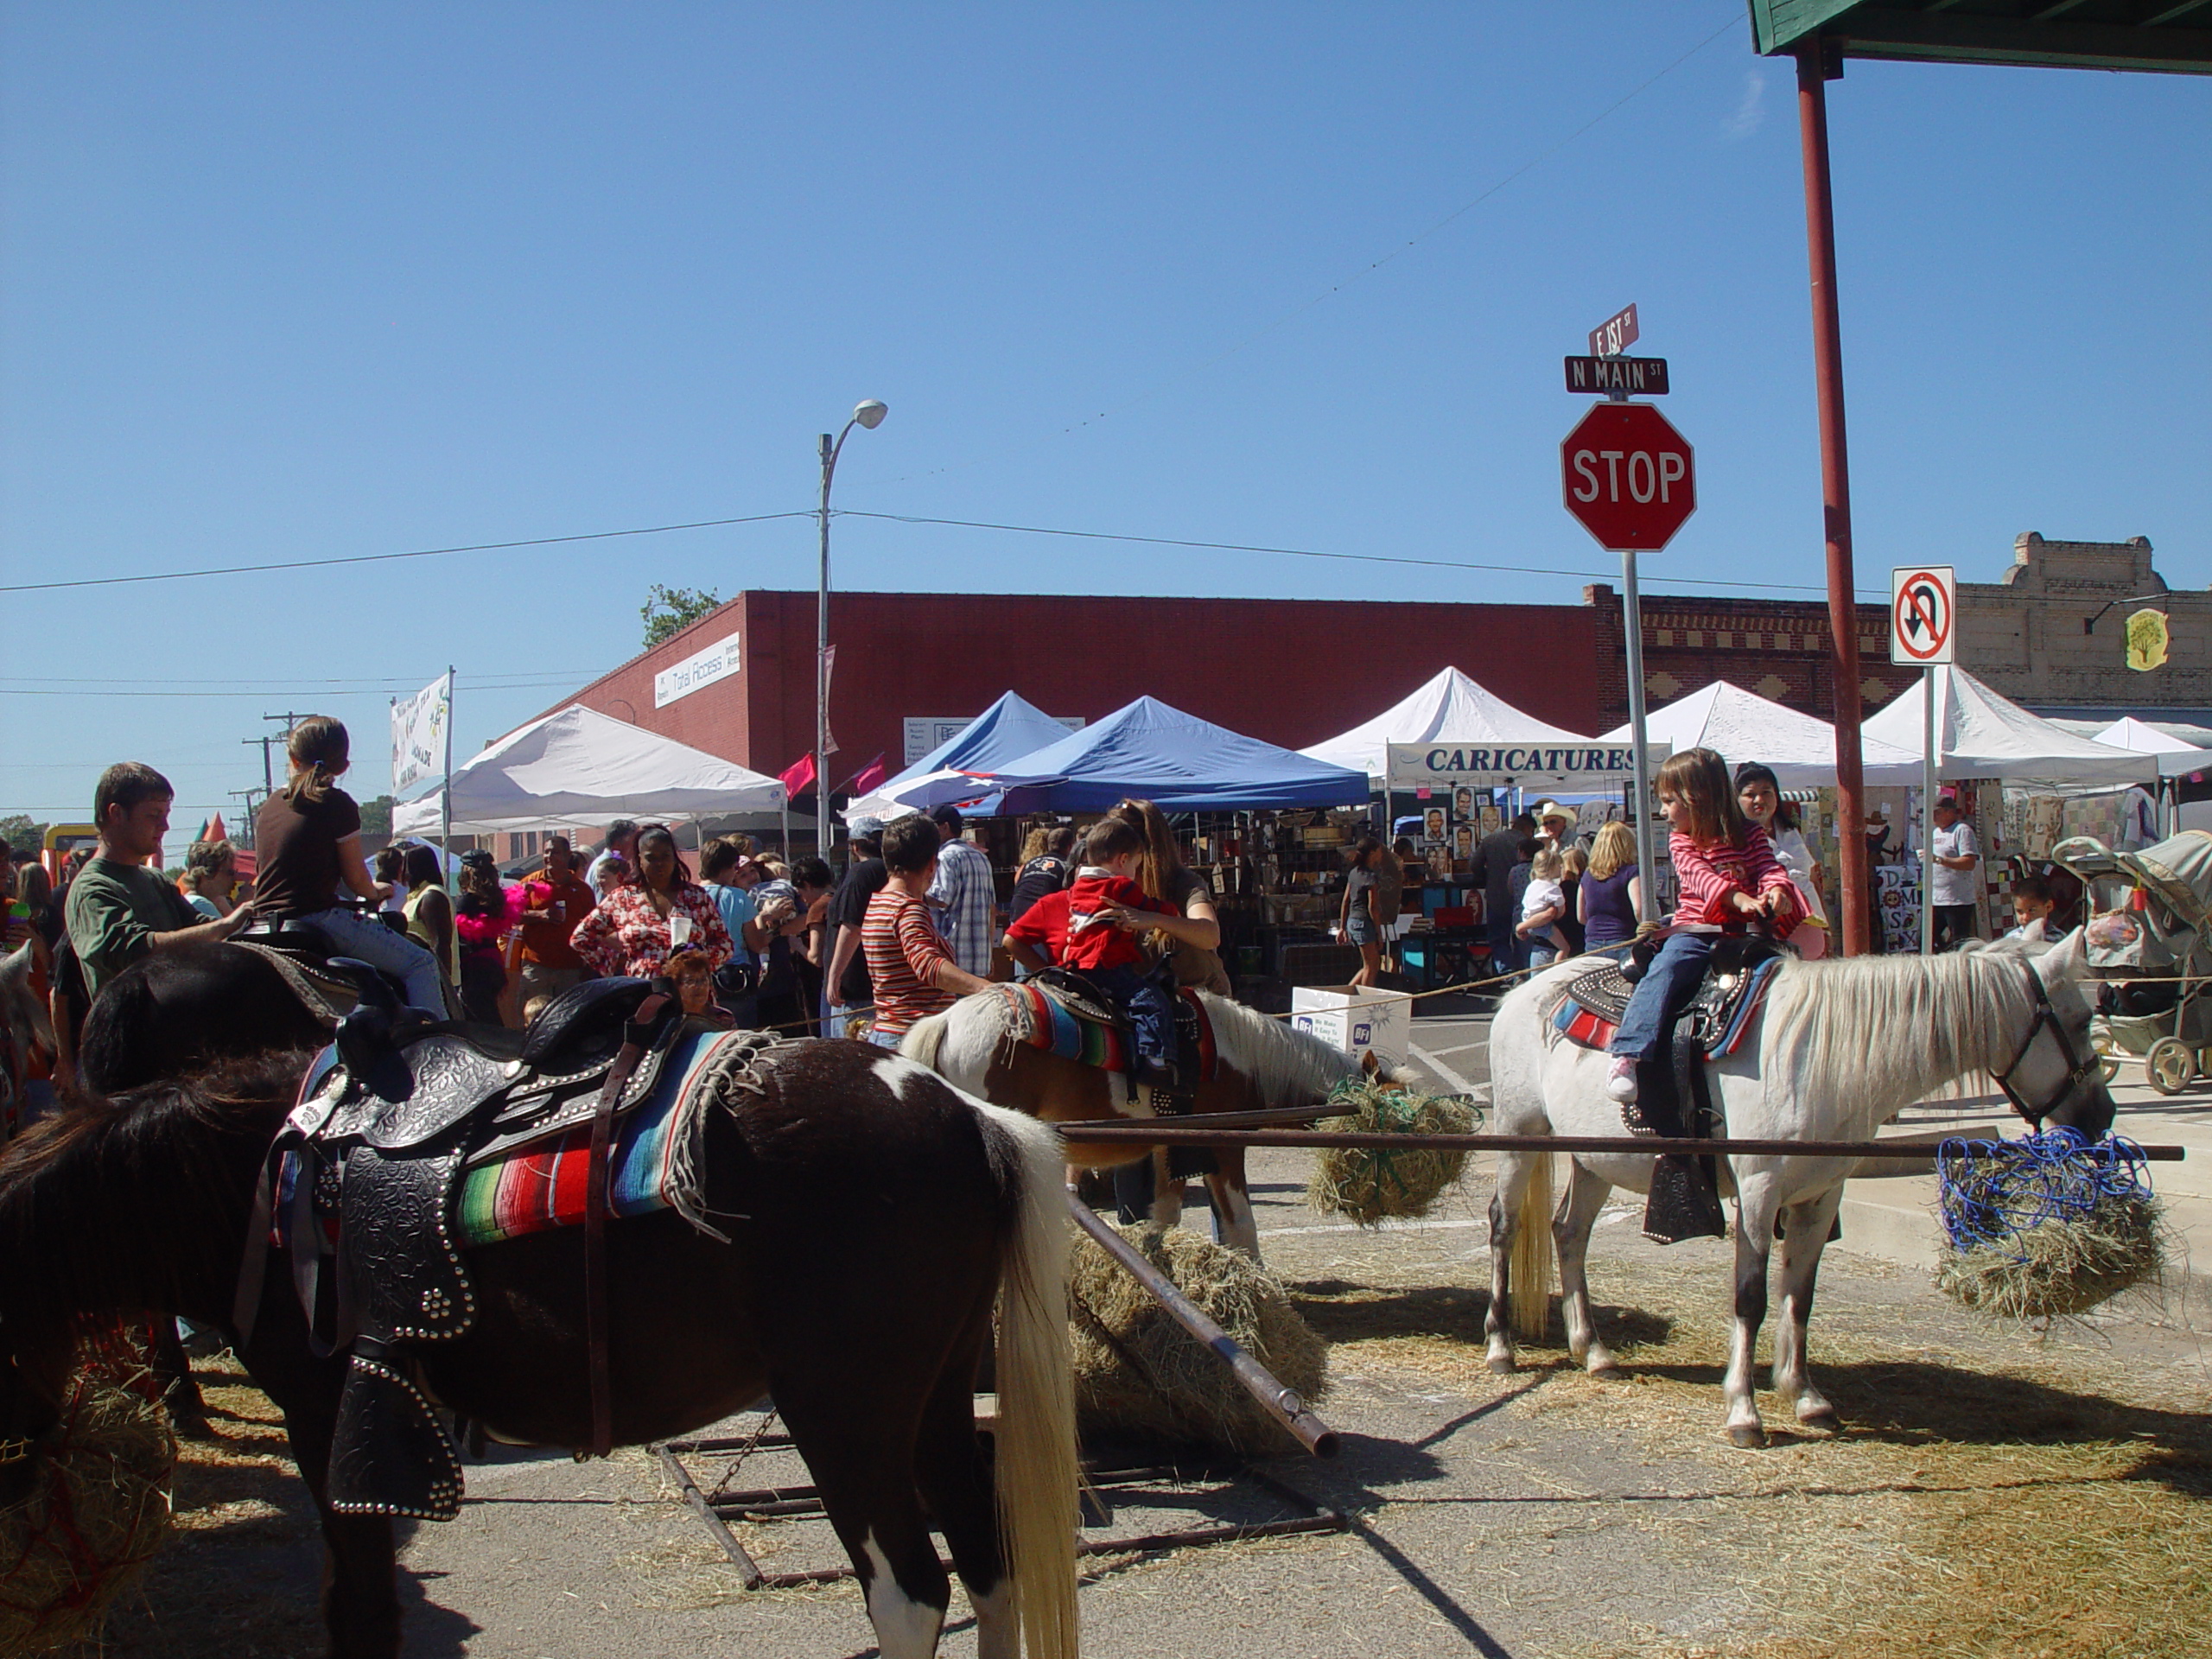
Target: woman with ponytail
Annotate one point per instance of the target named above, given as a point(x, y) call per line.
point(307, 842)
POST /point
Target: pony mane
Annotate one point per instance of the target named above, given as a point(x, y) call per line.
point(127, 1203)
point(1286, 1067)
point(1948, 1013)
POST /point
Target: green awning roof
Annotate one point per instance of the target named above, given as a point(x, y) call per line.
point(2150, 35)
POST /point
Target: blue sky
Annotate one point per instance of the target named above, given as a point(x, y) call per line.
point(307, 283)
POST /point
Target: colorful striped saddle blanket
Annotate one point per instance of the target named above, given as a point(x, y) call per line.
point(1040, 1018)
point(1716, 1019)
point(537, 1186)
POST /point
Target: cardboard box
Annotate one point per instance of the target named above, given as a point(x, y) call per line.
point(1356, 1018)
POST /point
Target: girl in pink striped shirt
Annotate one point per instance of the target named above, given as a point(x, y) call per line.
point(1728, 873)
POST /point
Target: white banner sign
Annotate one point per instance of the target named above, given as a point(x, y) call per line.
point(702, 668)
point(1579, 766)
point(418, 734)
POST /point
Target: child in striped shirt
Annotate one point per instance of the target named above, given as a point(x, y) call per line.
point(1728, 873)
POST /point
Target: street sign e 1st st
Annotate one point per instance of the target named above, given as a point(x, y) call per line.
point(1923, 614)
point(1643, 377)
point(1628, 477)
point(1614, 335)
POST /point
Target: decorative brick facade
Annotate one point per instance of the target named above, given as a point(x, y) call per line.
point(1777, 649)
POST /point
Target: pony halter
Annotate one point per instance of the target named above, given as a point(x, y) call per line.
point(2079, 1068)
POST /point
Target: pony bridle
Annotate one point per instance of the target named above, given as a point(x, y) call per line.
point(2079, 1067)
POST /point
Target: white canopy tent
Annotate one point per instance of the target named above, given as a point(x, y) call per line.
point(580, 766)
point(1740, 726)
point(1981, 734)
point(2176, 758)
point(1451, 708)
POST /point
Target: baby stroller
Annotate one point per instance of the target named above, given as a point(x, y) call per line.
point(2156, 952)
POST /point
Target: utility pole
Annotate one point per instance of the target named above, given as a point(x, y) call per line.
point(245, 837)
point(268, 768)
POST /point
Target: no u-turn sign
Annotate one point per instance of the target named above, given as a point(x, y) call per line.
point(1923, 614)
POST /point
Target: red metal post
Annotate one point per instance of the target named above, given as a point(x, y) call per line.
point(1835, 493)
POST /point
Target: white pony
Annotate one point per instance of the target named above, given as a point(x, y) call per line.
point(1841, 1048)
point(1260, 1063)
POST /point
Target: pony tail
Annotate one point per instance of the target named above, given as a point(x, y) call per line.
point(319, 747)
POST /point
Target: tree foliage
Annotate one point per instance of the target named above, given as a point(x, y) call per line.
point(25, 837)
point(668, 611)
point(376, 817)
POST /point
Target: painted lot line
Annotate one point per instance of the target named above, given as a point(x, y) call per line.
point(1445, 1071)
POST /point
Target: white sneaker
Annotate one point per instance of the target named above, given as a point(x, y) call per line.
point(1620, 1080)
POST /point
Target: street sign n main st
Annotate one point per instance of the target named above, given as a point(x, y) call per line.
point(1628, 477)
point(1631, 377)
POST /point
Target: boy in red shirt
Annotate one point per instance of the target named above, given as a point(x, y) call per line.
point(1105, 908)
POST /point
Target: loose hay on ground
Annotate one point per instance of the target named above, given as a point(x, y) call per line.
point(1373, 1184)
point(1138, 1372)
point(98, 1510)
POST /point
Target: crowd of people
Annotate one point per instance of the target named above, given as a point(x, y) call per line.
point(913, 921)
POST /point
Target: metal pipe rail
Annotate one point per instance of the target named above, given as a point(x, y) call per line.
point(1282, 1403)
point(1189, 1135)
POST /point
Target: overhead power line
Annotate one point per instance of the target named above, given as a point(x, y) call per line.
point(1318, 553)
point(383, 558)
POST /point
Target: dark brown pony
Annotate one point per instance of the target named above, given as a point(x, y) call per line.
point(876, 1215)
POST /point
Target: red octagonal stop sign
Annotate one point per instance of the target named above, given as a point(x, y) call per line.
point(1628, 476)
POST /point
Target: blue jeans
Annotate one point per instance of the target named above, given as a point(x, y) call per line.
point(1152, 1017)
point(370, 941)
point(1661, 995)
point(1505, 946)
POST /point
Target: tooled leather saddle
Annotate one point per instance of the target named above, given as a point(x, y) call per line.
point(1675, 1095)
point(390, 1120)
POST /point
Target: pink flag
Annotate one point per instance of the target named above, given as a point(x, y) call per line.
point(799, 776)
point(870, 776)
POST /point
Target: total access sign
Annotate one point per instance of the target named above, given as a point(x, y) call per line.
point(1923, 614)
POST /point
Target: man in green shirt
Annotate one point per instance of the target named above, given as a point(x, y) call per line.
point(118, 908)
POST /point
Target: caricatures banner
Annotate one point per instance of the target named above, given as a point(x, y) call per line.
point(1575, 767)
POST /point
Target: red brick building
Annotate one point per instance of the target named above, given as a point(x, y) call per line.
point(1290, 672)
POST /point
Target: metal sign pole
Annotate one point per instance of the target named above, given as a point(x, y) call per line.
point(1927, 813)
point(1640, 818)
point(445, 789)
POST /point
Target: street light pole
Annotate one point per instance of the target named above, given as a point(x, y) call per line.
point(870, 415)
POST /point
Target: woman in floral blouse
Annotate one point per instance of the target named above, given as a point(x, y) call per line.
point(628, 936)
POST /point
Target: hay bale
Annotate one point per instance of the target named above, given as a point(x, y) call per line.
point(1372, 1184)
point(2060, 1267)
point(2047, 1226)
point(1138, 1372)
point(97, 1511)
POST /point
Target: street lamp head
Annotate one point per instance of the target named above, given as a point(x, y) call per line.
point(871, 413)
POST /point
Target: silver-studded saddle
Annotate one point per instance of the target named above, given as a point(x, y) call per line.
point(387, 1124)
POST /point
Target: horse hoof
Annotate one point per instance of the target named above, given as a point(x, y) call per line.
point(1502, 1364)
point(1821, 1417)
point(1747, 1436)
point(1604, 1365)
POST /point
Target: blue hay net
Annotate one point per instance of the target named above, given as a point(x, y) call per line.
point(1990, 1192)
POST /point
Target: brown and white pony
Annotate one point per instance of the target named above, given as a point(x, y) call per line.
point(1261, 1065)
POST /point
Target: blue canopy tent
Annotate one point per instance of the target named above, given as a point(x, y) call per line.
point(1180, 763)
point(1010, 726)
